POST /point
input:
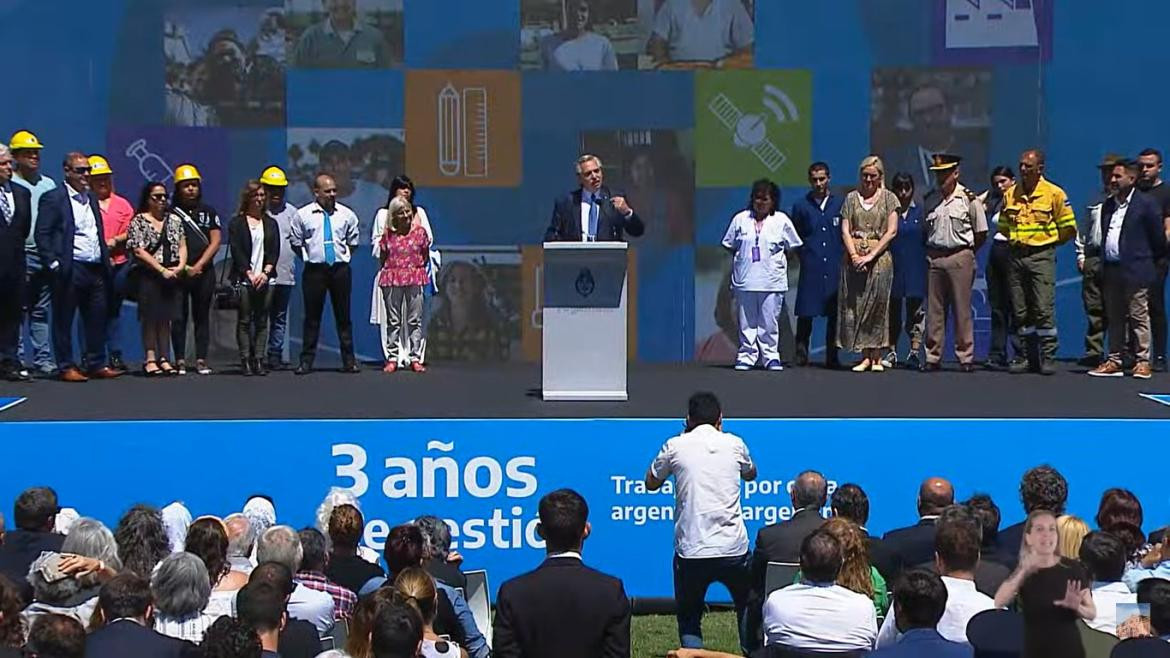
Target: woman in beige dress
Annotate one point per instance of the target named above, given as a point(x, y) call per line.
point(869, 221)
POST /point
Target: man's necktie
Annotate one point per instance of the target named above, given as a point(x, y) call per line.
point(593, 217)
point(5, 207)
point(330, 253)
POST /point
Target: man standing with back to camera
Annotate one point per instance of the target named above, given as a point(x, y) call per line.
point(710, 539)
point(591, 213)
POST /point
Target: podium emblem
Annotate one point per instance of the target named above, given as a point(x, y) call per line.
point(585, 283)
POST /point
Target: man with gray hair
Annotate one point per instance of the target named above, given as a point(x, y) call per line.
point(15, 224)
point(592, 212)
point(241, 538)
point(781, 542)
point(281, 544)
point(437, 556)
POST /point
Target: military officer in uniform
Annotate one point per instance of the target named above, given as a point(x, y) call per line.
point(956, 227)
point(817, 216)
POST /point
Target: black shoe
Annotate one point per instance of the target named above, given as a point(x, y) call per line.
point(1089, 360)
point(17, 374)
point(801, 359)
point(116, 362)
point(246, 367)
point(1047, 367)
point(351, 368)
point(929, 367)
point(1160, 363)
point(994, 365)
point(258, 368)
point(303, 369)
point(967, 367)
point(913, 362)
point(275, 364)
point(1018, 366)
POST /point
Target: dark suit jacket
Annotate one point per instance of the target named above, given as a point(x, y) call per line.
point(882, 557)
point(56, 228)
point(780, 542)
point(446, 573)
point(1009, 541)
point(128, 638)
point(1142, 238)
point(913, 544)
point(240, 245)
point(563, 609)
point(299, 639)
point(13, 232)
point(611, 224)
point(20, 548)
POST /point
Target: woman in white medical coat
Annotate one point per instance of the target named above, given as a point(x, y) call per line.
point(758, 239)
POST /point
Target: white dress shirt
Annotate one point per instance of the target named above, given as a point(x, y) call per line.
point(1106, 596)
point(1113, 234)
point(85, 229)
point(1088, 230)
point(307, 232)
point(819, 617)
point(963, 603)
point(312, 606)
point(707, 466)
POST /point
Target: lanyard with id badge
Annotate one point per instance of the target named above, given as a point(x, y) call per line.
point(756, 247)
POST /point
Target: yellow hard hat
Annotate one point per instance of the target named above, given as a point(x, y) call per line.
point(274, 176)
point(23, 139)
point(187, 172)
point(98, 166)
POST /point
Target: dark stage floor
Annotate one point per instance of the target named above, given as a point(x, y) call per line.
point(512, 391)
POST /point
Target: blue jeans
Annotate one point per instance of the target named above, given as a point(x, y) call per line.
point(692, 577)
point(117, 295)
point(278, 322)
point(38, 295)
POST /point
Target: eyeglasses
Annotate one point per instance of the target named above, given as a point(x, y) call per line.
point(158, 197)
point(80, 170)
point(870, 176)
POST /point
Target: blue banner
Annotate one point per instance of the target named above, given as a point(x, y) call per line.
point(486, 476)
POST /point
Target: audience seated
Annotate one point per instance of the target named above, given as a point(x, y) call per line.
point(1041, 488)
point(416, 587)
point(55, 636)
point(281, 544)
point(231, 638)
point(850, 502)
point(346, 567)
point(989, 575)
point(996, 633)
point(125, 606)
point(261, 606)
point(12, 628)
point(914, 544)
point(1159, 598)
point(181, 589)
point(987, 513)
point(956, 557)
point(1120, 514)
point(299, 638)
point(207, 539)
point(361, 625)
point(857, 574)
point(817, 614)
point(337, 497)
point(142, 540)
point(241, 542)
point(314, 562)
point(563, 608)
point(56, 592)
point(1104, 558)
point(437, 552)
point(397, 632)
point(35, 515)
point(921, 599)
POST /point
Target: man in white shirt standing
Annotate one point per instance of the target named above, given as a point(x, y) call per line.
point(956, 555)
point(710, 539)
point(817, 614)
point(325, 233)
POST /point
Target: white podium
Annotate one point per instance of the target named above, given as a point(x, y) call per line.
point(584, 341)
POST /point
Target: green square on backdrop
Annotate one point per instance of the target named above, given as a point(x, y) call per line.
point(752, 124)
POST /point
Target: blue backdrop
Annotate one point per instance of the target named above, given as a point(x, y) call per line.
point(486, 476)
point(96, 78)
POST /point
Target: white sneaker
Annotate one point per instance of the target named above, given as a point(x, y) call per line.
point(742, 366)
point(890, 360)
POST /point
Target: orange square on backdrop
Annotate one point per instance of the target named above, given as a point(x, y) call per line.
point(463, 128)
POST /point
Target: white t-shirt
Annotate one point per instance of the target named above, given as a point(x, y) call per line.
point(588, 52)
point(257, 260)
point(770, 241)
point(1106, 596)
point(819, 618)
point(707, 466)
point(963, 603)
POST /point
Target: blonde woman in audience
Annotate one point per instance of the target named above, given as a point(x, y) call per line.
point(416, 588)
point(1072, 531)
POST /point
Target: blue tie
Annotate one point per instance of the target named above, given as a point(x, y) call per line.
point(593, 216)
point(330, 253)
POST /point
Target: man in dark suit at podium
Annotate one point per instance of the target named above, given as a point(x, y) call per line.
point(591, 213)
point(15, 224)
point(563, 608)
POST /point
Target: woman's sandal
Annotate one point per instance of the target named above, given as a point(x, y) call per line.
point(165, 367)
point(148, 372)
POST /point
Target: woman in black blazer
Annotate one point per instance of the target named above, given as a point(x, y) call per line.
point(254, 243)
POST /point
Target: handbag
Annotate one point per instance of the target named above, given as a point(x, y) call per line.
point(227, 293)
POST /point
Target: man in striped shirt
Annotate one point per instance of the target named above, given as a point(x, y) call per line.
point(312, 574)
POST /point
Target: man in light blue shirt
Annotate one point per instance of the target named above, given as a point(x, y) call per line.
point(26, 152)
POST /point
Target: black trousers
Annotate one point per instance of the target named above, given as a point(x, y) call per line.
point(999, 301)
point(804, 327)
point(83, 290)
point(195, 294)
point(335, 280)
point(252, 320)
point(11, 291)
